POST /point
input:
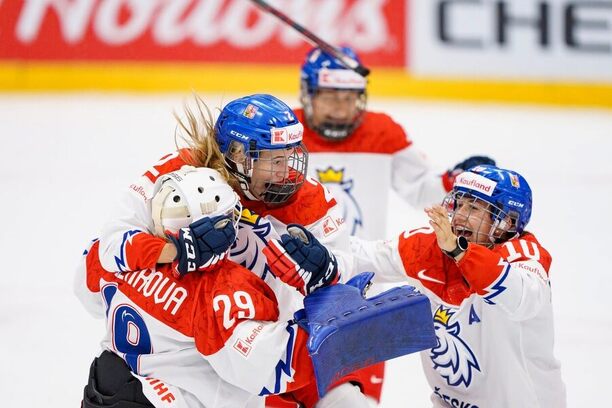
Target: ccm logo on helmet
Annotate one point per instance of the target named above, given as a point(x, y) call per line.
point(238, 134)
point(516, 204)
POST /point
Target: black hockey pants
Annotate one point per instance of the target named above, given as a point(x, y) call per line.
point(111, 385)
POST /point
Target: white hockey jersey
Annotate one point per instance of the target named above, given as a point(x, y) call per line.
point(492, 316)
point(127, 245)
point(220, 338)
point(361, 170)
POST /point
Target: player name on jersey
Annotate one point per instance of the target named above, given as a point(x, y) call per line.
point(152, 283)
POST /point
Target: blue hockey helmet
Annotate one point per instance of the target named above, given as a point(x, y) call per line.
point(506, 193)
point(261, 140)
point(322, 71)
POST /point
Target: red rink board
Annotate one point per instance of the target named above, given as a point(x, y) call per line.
point(218, 31)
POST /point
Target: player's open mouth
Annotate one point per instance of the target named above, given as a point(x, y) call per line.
point(333, 122)
point(462, 231)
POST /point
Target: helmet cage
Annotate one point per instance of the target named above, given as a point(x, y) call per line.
point(331, 130)
point(503, 223)
point(244, 163)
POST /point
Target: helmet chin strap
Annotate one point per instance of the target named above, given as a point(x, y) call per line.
point(244, 180)
point(244, 186)
point(500, 224)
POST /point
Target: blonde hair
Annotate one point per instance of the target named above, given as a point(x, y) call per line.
point(197, 130)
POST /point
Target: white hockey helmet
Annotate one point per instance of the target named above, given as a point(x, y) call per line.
point(189, 194)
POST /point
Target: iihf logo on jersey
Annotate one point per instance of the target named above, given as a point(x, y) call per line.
point(334, 180)
point(452, 357)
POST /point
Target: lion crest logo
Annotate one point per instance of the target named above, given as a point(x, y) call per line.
point(452, 357)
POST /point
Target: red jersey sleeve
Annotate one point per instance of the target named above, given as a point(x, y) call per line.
point(482, 266)
point(168, 163)
point(127, 243)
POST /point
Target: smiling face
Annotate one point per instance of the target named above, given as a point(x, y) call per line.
point(272, 167)
point(268, 175)
point(278, 174)
point(472, 219)
point(478, 221)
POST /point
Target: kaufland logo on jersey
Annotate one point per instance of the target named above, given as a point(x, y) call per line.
point(287, 135)
point(242, 347)
point(329, 227)
point(341, 79)
point(254, 333)
point(475, 182)
point(140, 190)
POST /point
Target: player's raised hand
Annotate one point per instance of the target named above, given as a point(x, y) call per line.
point(301, 261)
point(203, 244)
point(438, 219)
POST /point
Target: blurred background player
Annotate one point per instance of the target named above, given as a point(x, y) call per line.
point(257, 142)
point(488, 282)
point(358, 154)
point(206, 339)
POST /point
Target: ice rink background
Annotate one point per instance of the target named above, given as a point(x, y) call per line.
point(66, 157)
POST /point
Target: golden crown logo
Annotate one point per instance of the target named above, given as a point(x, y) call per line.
point(330, 175)
point(443, 315)
point(249, 216)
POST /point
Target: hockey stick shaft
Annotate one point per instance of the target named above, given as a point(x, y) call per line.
point(325, 46)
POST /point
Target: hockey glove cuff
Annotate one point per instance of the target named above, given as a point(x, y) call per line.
point(301, 261)
point(202, 245)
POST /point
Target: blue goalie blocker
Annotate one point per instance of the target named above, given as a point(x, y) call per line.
point(349, 332)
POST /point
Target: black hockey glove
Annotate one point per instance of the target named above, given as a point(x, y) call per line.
point(301, 261)
point(471, 162)
point(202, 245)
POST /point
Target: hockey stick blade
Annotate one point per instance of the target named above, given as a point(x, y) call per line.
point(314, 40)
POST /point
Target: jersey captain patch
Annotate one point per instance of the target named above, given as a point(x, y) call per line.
point(334, 180)
point(452, 357)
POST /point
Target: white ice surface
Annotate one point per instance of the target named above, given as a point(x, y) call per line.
point(65, 158)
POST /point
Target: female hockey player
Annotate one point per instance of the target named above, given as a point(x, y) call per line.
point(212, 339)
point(488, 283)
point(256, 141)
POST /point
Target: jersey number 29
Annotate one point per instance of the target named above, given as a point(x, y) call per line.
point(242, 300)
